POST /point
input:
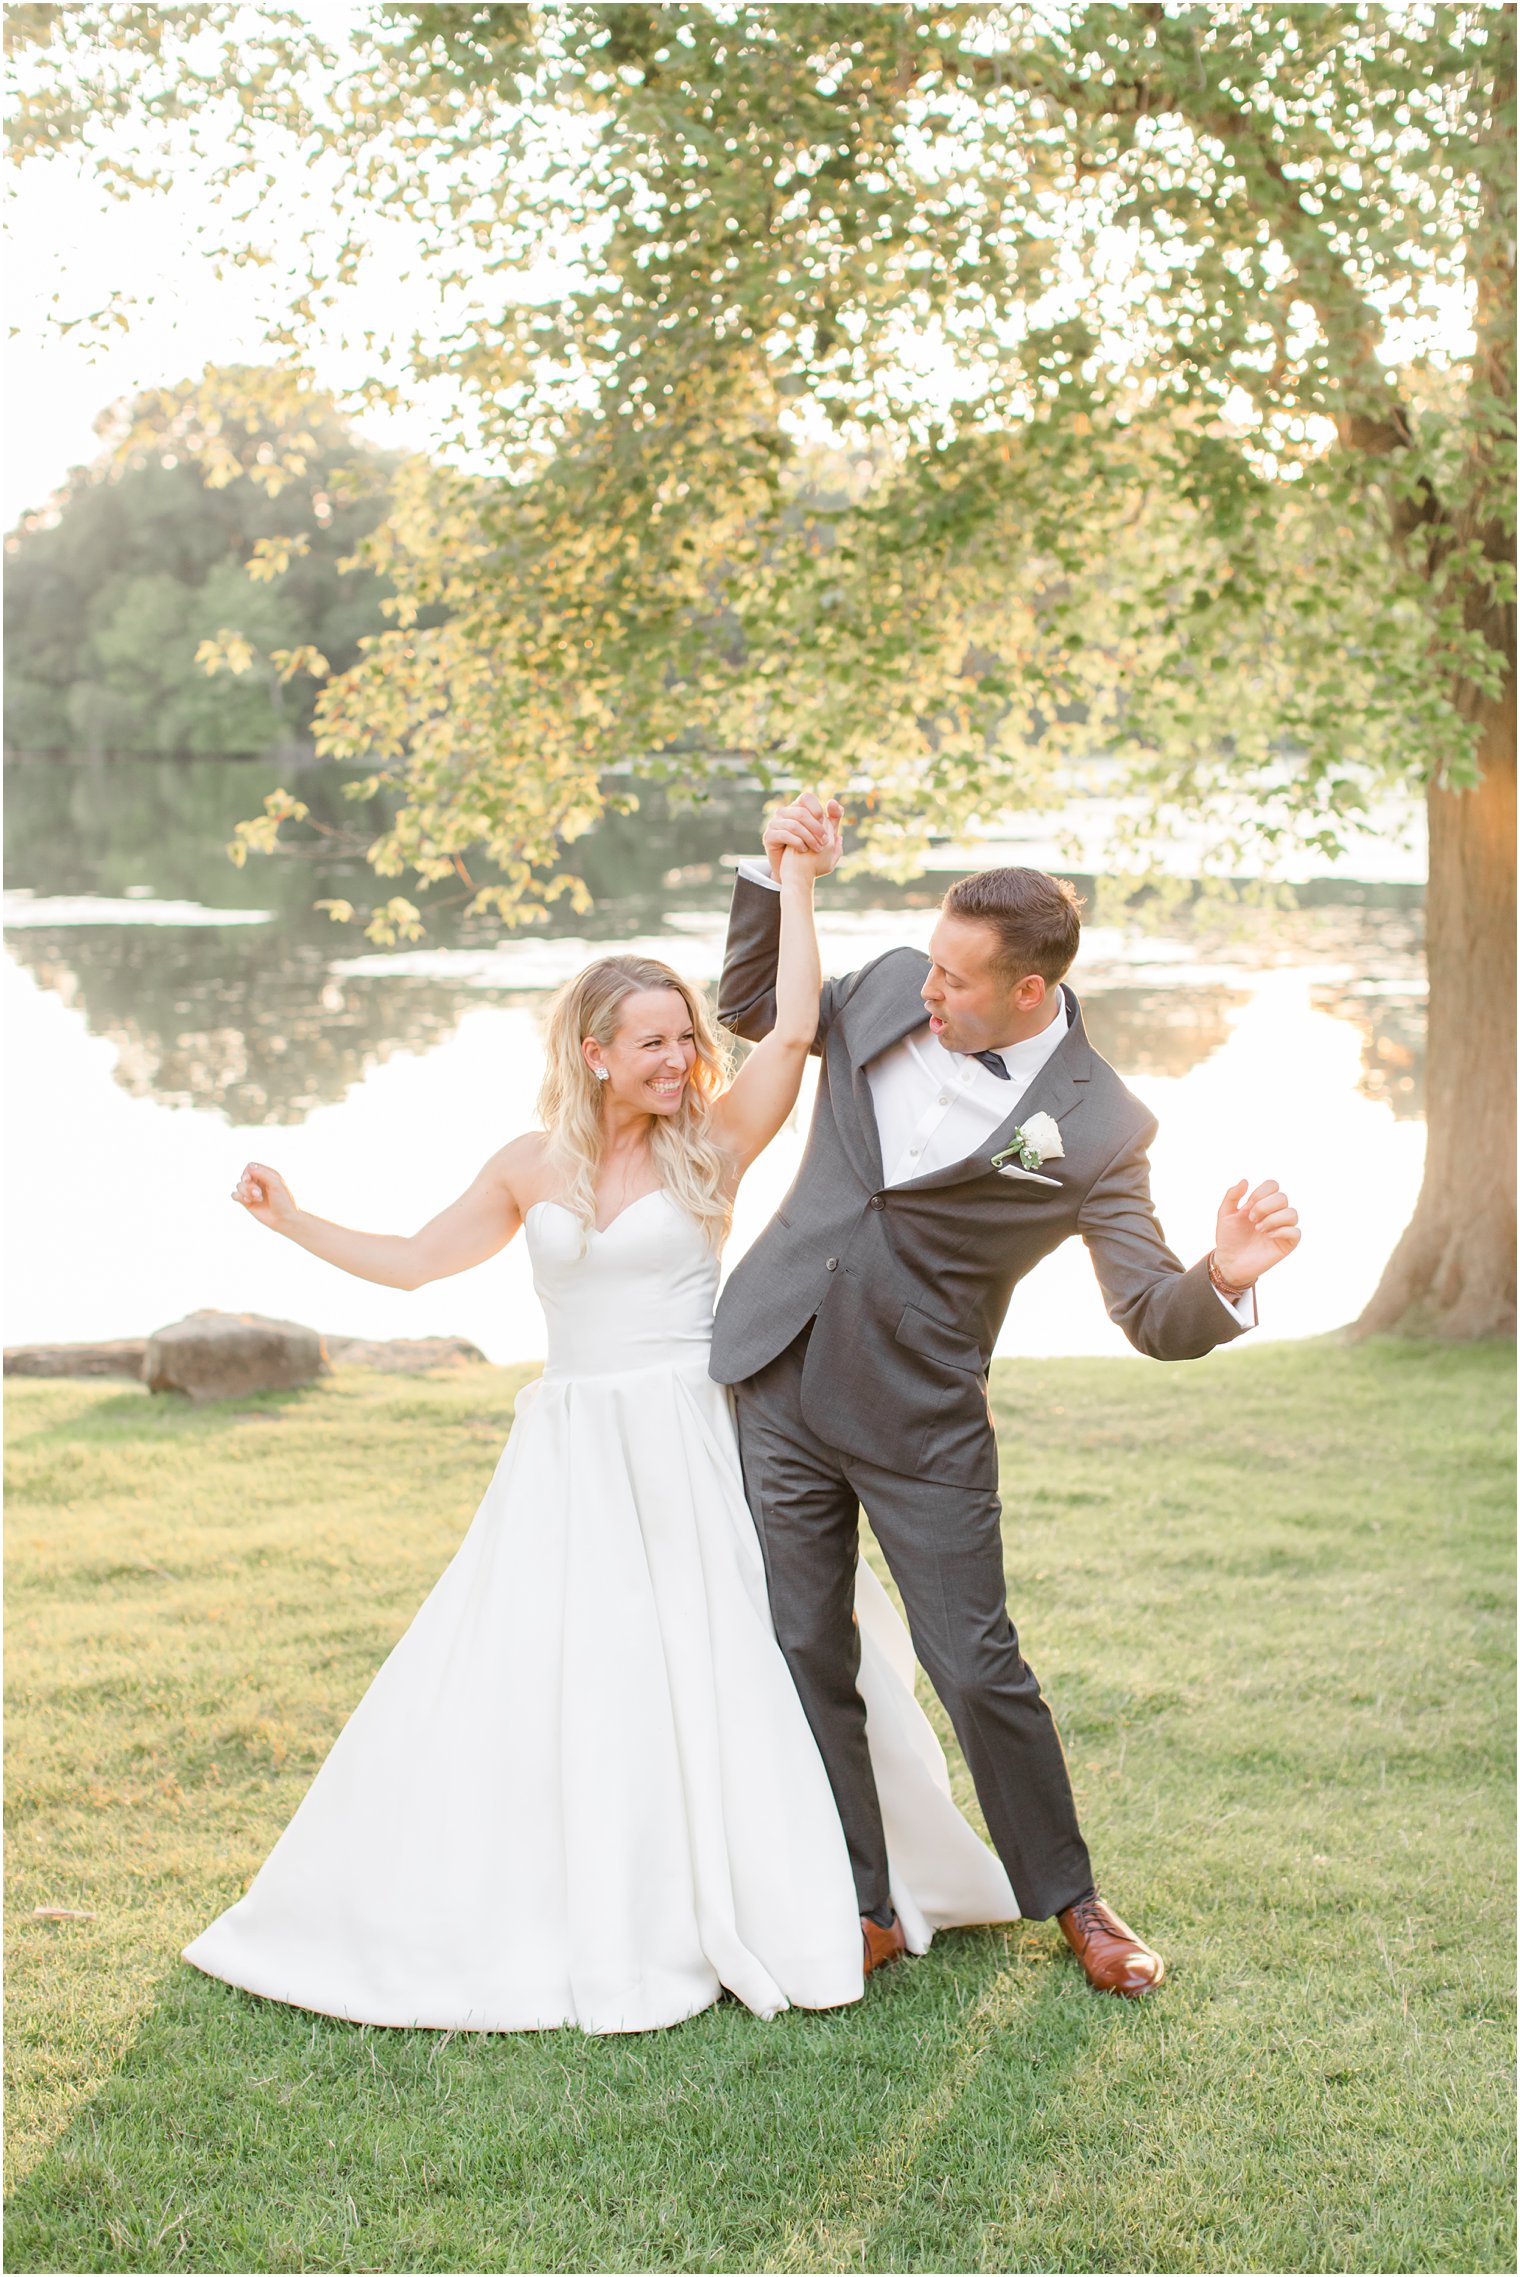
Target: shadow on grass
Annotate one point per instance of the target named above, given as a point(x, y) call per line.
point(239, 2134)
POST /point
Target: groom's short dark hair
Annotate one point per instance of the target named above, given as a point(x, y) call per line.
point(1038, 919)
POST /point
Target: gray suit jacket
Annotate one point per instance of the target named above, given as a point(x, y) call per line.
point(908, 1285)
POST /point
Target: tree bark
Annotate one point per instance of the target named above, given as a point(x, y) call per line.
point(1453, 1272)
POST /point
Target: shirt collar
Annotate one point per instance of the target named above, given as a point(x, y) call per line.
point(1029, 1055)
point(1023, 1060)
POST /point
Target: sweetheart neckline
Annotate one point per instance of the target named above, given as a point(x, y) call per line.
point(549, 1203)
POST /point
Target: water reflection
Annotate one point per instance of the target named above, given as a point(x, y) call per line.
point(258, 1018)
point(120, 827)
point(262, 1029)
point(1159, 1031)
point(224, 1019)
point(124, 827)
point(1391, 1020)
point(179, 1046)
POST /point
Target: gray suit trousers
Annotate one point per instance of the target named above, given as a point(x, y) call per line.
point(943, 1544)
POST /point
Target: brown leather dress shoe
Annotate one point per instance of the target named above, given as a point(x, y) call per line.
point(1115, 1959)
point(882, 1945)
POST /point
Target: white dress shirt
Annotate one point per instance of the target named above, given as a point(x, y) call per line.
point(934, 1107)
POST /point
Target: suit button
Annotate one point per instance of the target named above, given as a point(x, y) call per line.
point(833, 1264)
point(877, 1203)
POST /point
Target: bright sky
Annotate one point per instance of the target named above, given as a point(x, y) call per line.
point(71, 247)
point(70, 250)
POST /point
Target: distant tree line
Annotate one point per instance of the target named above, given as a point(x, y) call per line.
point(112, 588)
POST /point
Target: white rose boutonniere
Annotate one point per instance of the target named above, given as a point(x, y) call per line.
point(1033, 1145)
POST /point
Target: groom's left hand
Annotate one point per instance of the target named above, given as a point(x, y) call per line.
point(1254, 1232)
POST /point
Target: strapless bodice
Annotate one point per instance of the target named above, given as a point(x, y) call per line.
point(639, 1294)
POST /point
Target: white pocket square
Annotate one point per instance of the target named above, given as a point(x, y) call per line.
point(1011, 1170)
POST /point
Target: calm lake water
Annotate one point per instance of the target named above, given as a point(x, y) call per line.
point(169, 1017)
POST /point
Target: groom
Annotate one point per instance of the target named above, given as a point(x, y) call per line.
point(964, 1127)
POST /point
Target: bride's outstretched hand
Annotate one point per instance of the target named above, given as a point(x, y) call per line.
point(265, 1195)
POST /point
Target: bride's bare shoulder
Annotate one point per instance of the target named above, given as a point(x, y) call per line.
point(523, 1167)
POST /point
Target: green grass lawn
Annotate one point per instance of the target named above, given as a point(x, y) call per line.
point(1270, 1597)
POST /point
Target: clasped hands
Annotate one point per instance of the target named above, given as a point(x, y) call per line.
point(811, 828)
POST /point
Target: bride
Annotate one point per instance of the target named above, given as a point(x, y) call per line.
point(581, 1789)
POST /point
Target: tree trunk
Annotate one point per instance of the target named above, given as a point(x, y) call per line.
point(1453, 1273)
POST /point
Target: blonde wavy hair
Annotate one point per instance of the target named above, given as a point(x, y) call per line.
point(692, 1170)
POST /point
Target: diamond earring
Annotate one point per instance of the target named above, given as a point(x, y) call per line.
point(600, 1073)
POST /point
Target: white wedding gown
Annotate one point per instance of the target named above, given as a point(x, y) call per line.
point(581, 1789)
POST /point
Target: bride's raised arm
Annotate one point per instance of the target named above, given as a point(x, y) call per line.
point(764, 1091)
point(474, 1227)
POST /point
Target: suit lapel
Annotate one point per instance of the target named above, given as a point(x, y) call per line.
point(1054, 1092)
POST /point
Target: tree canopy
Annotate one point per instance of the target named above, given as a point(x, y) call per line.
point(938, 391)
point(114, 590)
point(912, 396)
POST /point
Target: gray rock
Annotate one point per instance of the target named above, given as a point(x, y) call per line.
point(222, 1355)
point(123, 1358)
point(404, 1355)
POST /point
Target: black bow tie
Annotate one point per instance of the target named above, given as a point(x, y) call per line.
point(993, 1063)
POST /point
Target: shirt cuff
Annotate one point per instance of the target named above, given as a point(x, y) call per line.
point(1242, 1309)
point(758, 873)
